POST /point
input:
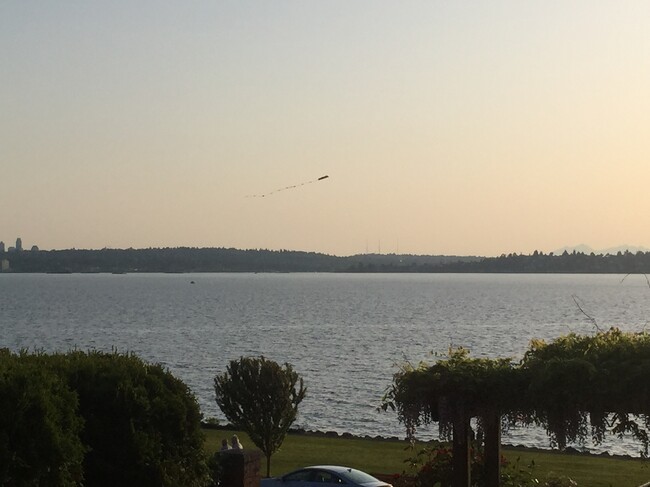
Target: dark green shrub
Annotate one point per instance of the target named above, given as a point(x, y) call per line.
point(142, 425)
point(216, 465)
point(39, 426)
point(136, 423)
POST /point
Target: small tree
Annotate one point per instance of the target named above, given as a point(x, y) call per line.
point(260, 397)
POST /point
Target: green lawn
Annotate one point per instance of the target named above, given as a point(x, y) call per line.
point(587, 470)
point(376, 456)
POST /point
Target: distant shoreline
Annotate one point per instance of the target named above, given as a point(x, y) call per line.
point(221, 260)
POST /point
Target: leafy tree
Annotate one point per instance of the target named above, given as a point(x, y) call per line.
point(260, 397)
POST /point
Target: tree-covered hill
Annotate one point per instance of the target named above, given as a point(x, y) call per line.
point(186, 259)
point(170, 260)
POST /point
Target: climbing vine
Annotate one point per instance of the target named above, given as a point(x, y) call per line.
point(425, 394)
point(590, 384)
point(576, 387)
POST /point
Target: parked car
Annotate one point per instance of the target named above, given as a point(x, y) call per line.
point(324, 476)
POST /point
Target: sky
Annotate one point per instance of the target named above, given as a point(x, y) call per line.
point(458, 128)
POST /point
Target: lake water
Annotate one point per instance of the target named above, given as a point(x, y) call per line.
point(344, 333)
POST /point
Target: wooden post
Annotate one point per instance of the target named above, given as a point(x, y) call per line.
point(461, 476)
point(492, 429)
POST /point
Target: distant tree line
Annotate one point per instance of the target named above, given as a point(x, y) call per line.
point(184, 259)
point(169, 260)
point(575, 262)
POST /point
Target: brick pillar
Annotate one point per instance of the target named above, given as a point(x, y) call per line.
point(240, 468)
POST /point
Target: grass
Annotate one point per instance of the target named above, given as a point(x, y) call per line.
point(379, 456)
point(587, 470)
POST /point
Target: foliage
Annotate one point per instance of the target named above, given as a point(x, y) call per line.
point(215, 469)
point(141, 425)
point(538, 262)
point(434, 465)
point(181, 259)
point(261, 397)
point(589, 383)
point(433, 468)
point(185, 259)
point(39, 427)
point(574, 386)
point(425, 394)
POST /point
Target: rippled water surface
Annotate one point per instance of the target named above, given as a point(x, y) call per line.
point(343, 333)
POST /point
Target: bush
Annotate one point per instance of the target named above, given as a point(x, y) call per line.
point(143, 426)
point(215, 468)
point(433, 468)
point(39, 426)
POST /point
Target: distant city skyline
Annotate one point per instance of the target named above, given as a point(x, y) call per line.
point(17, 247)
point(446, 128)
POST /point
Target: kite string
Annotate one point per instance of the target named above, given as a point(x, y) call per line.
point(263, 195)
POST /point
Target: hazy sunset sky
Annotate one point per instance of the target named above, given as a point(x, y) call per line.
point(453, 127)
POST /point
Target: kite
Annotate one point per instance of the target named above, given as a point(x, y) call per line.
point(294, 186)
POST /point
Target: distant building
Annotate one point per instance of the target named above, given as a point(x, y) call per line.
point(19, 244)
point(2, 247)
point(34, 248)
point(4, 265)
